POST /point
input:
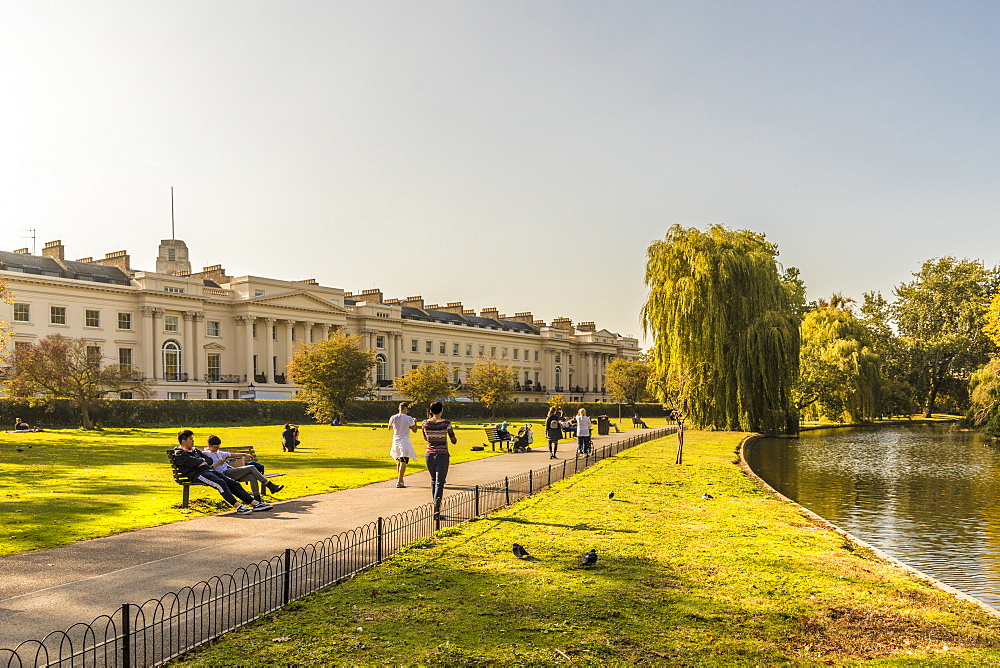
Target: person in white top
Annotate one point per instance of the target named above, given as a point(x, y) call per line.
point(583, 424)
point(402, 450)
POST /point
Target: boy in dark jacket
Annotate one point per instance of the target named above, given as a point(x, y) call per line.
point(197, 468)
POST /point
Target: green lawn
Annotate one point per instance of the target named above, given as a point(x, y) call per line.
point(741, 580)
point(71, 485)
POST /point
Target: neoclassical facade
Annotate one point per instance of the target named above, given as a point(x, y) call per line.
point(208, 335)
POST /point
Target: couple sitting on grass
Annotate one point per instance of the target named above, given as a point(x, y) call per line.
point(212, 468)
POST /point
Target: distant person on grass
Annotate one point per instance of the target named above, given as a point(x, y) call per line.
point(437, 432)
point(583, 425)
point(553, 431)
point(244, 471)
point(402, 423)
point(289, 438)
point(197, 467)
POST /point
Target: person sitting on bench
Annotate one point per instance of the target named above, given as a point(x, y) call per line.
point(197, 467)
point(244, 471)
point(637, 422)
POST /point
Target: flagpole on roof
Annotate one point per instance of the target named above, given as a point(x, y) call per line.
point(172, 235)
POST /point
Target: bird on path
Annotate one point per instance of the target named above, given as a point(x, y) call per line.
point(589, 559)
point(611, 495)
point(519, 551)
point(707, 496)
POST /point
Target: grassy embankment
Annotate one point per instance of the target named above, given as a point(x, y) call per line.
point(70, 485)
point(743, 579)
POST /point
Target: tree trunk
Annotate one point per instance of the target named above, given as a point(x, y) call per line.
point(85, 416)
point(929, 400)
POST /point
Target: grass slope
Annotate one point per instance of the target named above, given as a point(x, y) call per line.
point(741, 580)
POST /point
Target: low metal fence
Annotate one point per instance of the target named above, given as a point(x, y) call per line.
point(154, 632)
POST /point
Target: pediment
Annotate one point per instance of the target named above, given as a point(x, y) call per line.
point(214, 346)
point(300, 299)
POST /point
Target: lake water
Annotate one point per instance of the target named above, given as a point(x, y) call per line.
point(929, 495)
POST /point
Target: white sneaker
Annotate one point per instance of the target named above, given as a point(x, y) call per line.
point(243, 510)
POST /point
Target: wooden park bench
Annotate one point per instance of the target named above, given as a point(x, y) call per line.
point(182, 480)
point(493, 436)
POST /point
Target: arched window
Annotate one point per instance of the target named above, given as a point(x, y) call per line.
point(380, 370)
point(172, 361)
point(558, 378)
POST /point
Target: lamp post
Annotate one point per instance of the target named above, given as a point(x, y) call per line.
point(251, 393)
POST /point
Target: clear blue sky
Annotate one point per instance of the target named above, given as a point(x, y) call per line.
point(512, 154)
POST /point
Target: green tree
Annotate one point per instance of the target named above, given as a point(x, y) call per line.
point(838, 371)
point(985, 398)
point(58, 367)
point(627, 381)
point(940, 318)
point(491, 383)
point(332, 374)
point(426, 383)
point(725, 332)
point(557, 401)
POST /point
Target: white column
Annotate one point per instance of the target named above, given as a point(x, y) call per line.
point(324, 327)
point(147, 335)
point(268, 366)
point(289, 351)
point(246, 322)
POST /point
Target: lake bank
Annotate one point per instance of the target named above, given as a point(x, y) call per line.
point(743, 578)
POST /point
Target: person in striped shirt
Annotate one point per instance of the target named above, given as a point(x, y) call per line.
point(437, 432)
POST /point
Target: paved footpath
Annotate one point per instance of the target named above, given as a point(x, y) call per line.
point(52, 589)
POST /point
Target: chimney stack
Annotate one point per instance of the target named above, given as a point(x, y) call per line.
point(54, 250)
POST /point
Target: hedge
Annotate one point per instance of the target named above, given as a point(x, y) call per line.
point(122, 413)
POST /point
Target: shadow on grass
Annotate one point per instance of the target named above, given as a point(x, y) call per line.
point(576, 527)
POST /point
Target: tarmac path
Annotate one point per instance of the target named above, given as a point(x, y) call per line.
point(50, 590)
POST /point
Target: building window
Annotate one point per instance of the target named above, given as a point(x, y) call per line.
point(94, 355)
point(536, 355)
point(443, 348)
point(214, 366)
point(91, 318)
point(22, 313)
point(380, 367)
point(430, 346)
point(125, 359)
point(413, 345)
point(177, 395)
point(171, 254)
point(454, 349)
point(293, 334)
point(493, 351)
point(558, 357)
point(482, 351)
point(57, 315)
point(503, 353)
point(468, 350)
point(171, 361)
point(382, 315)
point(171, 324)
point(380, 342)
point(457, 376)
point(274, 332)
point(176, 291)
point(516, 352)
point(212, 328)
point(125, 395)
point(526, 355)
point(536, 378)
point(258, 293)
point(413, 366)
point(222, 394)
point(125, 321)
point(254, 326)
point(255, 372)
point(274, 366)
point(571, 358)
point(526, 381)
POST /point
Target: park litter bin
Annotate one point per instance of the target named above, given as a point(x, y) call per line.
point(603, 425)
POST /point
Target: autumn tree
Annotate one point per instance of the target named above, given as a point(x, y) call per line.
point(724, 327)
point(557, 401)
point(331, 374)
point(627, 381)
point(839, 375)
point(58, 367)
point(940, 317)
point(491, 383)
point(426, 383)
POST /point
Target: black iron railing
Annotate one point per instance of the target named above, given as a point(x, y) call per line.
point(154, 632)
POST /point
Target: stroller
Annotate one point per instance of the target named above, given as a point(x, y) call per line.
point(523, 440)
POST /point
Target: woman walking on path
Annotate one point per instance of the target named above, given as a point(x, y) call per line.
point(553, 431)
point(583, 424)
point(437, 432)
point(402, 450)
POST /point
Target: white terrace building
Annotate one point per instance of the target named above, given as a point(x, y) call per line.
point(208, 335)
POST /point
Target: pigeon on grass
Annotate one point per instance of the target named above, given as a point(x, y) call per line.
point(706, 496)
point(611, 495)
point(589, 559)
point(519, 551)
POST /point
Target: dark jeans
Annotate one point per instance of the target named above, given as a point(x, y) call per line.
point(227, 487)
point(583, 444)
point(437, 466)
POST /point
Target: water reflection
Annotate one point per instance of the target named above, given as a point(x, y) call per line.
point(925, 494)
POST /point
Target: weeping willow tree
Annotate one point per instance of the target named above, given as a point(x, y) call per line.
point(725, 333)
point(839, 374)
